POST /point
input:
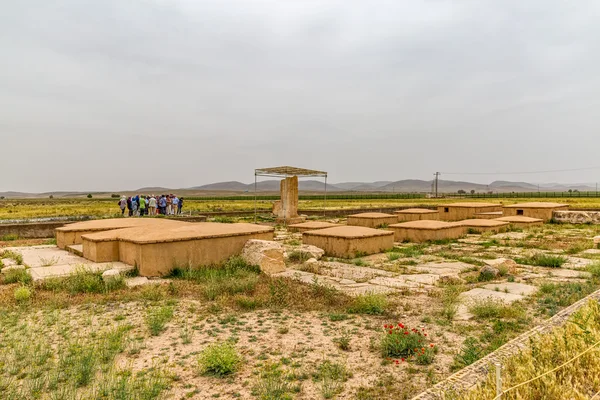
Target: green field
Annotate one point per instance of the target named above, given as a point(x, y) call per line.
point(73, 207)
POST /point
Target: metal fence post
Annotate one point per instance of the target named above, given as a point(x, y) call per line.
point(498, 381)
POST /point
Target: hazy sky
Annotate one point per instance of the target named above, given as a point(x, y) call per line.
point(120, 94)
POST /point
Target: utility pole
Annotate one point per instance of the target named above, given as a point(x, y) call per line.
point(437, 175)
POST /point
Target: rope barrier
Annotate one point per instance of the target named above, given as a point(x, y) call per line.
point(548, 372)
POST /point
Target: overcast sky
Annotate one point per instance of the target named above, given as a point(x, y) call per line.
point(121, 94)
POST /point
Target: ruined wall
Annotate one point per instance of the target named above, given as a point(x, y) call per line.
point(577, 217)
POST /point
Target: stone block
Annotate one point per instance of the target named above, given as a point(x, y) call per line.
point(417, 214)
point(350, 241)
point(372, 219)
point(111, 275)
point(425, 230)
point(268, 255)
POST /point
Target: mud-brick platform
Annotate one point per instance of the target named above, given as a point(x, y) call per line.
point(311, 226)
point(71, 234)
point(521, 222)
point(425, 231)
point(157, 251)
point(350, 241)
point(482, 225)
point(417, 214)
point(372, 219)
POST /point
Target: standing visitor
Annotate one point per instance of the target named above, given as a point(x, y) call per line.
point(169, 204)
point(134, 206)
point(130, 206)
point(175, 205)
point(152, 205)
point(123, 205)
point(162, 205)
point(143, 206)
point(180, 206)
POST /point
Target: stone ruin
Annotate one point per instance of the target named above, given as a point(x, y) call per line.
point(286, 209)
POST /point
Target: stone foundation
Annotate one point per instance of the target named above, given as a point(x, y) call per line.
point(349, 241)
point(466, 210)
point(417, 214)
point(541, 210)
point(482, 225)
point(522, 222)
point(311, 226)
point(425, 231)
point(372, 220)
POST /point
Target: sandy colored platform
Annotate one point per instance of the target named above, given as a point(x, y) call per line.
point(466, 210)
point(483, 225)
point(372, 219)
point(311, 225)
point(489, 215)
point(519, 221)
point(542, 210)
point(425, 230)
point(71, 234)
point(348, 241)
point(416, 214)
point(157, 250)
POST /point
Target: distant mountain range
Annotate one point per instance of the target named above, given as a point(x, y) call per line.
point(315, 186)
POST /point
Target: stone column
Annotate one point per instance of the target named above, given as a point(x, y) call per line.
point(287, 208)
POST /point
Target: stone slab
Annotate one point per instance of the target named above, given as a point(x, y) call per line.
point(348, 241)
point(443, 268)
point(60, 271)
point(311, 225)
point(512, 288)
point(480, 294)
point(396, 283)
point(142, 280)
point(372, 219)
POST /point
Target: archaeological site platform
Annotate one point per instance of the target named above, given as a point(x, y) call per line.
point(466, 210)
point(542, 210)
point(425, 230)
point(416, 214)
point(372, 219)
point(521, 222)
point(482, 225)
point(156, 247)
point(350, 241)
point(311, 225)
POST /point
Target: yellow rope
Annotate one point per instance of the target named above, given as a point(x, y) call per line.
point(549, 372)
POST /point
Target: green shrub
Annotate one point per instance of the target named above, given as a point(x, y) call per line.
point(399, 341)
point(543, 260)
point(331, 377)
point(9, 237)
point(17, 275)
point(157, 318)
point(84, 281)
point(247, 303)
point(299, 257)
point(219, 359)
point(470, 352)
point(486, 275)
point(274, 384)
point(17, 257)
point(426, 356)
point(370, 304)
point(22, 294)
point(486, 309)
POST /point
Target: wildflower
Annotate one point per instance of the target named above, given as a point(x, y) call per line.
point(390, 332)
point(431, 345)
point(403, 360)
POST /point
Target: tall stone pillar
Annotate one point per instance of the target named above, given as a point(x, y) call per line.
point(286, 210)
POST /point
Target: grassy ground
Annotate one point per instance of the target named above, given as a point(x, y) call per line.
point(37, 208)
point(230, 332)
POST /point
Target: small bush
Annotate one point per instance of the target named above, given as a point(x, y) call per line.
point(331, 377)
point(9, 237)
point(470, 352)
point(17, 257)
point(157, 318)
point(543, 260)
point(426, 356)
point(343, 342)
point(17, 275)
point(298, 257)
point(486, 275)
point(247, 303)
point(219, 359)
point(370, 304)
point(84, 281)
point(489, 308)
point(22, 294)
point(274, 384)
point(398, 341)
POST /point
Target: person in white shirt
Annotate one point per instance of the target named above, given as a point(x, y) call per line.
point(175, 206)
point(152, 205)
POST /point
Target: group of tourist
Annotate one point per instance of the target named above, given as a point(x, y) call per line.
point(138, 206)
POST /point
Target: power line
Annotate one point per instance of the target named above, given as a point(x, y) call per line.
point(521, 172)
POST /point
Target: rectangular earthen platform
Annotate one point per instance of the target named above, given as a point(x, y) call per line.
point(521, 222)
point(482, 225)
point(372, 219)
point(465, 210)
point(489, 215)
point(541, 210)
point(350, 241)
point(425, 231)
point(417, 214)
point(311, 226)
point(71, 234)
point(157, 250)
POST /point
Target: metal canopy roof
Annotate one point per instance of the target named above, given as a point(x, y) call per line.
point(288, 171)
